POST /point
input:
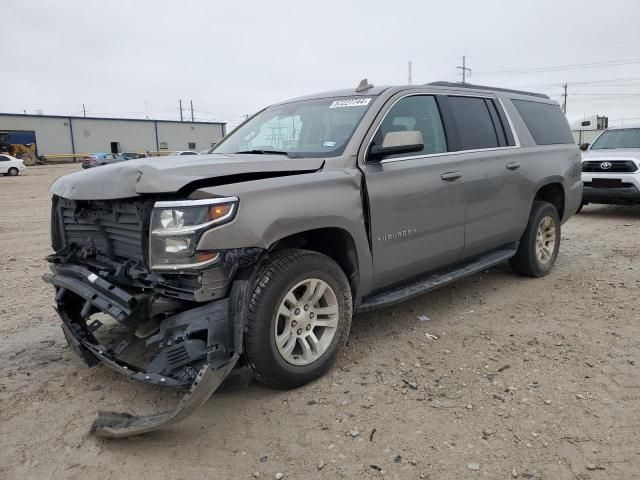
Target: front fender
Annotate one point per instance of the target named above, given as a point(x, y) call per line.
point(275, 208)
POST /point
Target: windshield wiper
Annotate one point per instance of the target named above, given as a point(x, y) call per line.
point(265, 152)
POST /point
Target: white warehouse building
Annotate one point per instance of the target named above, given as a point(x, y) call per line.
point(68, 135)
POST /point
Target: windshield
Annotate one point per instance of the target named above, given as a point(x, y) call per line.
point(308, 128)
point(618, 138)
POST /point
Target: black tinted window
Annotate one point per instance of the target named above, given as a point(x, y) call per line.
point(417, 112)
point(3, 158)
point(475, 125)
point(545, 121)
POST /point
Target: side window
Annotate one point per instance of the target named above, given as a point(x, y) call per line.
point(3, 158)
point(417, 112)
point(545, 121)
point(475, 124)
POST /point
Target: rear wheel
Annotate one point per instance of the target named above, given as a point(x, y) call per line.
point(12, 172)
point(298, 319)
point(539, 245)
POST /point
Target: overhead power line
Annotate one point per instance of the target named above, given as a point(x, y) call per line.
point(588, 83)
point(560, 68)
point(566, 48)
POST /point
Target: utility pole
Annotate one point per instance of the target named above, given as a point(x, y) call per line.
point(410, 79)
point(564, 101)
point(180, 102)
point(192, 110)
point(464, 69)
point(84, 111)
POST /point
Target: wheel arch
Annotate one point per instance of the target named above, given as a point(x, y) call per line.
point(334, 242)
point(552, 192)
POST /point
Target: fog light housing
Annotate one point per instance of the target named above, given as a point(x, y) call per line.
point(176, 228)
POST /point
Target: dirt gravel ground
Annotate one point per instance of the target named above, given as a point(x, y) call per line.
point(530, 379)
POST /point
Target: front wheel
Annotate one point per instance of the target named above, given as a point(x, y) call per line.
point(12, 172)
point(298, 319)
point(539, 245)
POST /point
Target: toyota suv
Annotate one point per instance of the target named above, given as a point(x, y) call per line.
point(611, 167)
point(255, 257)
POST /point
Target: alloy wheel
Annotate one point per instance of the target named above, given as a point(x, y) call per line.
point(306, 321)
point(546, 240)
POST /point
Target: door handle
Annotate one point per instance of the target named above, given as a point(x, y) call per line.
point(514, 165)
point(450, 176)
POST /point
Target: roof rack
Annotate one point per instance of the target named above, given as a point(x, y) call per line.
point(482, 87)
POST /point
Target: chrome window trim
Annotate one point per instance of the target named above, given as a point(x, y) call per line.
point(434, 94)
point(458, 152)
point(193, 203)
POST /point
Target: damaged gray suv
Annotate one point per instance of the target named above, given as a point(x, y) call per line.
point(255, 257)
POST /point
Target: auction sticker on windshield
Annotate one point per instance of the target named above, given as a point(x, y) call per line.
point(350, 102)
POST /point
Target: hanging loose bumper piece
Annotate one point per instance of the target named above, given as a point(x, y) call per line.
point(196, 348)
point(120, 425)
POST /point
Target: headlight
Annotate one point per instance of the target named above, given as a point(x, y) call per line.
point(177, 226)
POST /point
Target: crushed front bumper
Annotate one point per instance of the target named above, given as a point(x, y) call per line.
point(197, 348)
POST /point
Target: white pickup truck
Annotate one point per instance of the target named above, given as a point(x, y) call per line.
point(611, 167)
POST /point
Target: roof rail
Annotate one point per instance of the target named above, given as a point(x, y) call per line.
point(482, 87)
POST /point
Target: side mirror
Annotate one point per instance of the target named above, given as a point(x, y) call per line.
point(584, 146)
point(398, 142)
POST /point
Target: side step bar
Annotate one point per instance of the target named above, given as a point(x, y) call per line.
point(436, 280)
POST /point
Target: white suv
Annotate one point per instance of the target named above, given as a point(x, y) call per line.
point(10, 165)
point(611, 167)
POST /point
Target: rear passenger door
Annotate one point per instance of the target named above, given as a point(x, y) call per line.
point(495, 191)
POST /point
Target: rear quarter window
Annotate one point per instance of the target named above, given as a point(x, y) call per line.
point(545, 121)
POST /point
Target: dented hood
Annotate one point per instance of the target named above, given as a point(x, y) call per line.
point(169, 174)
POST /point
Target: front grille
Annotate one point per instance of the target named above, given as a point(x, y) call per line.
point(617, 166)
point(116, 229)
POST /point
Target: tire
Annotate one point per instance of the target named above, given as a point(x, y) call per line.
point(582, 204)
point(527, 260)
point(293, 272)
point(12, 172)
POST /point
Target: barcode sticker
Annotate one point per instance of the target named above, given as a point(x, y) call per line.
point(350, 102)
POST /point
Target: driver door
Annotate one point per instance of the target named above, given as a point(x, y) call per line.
point(417, 203)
